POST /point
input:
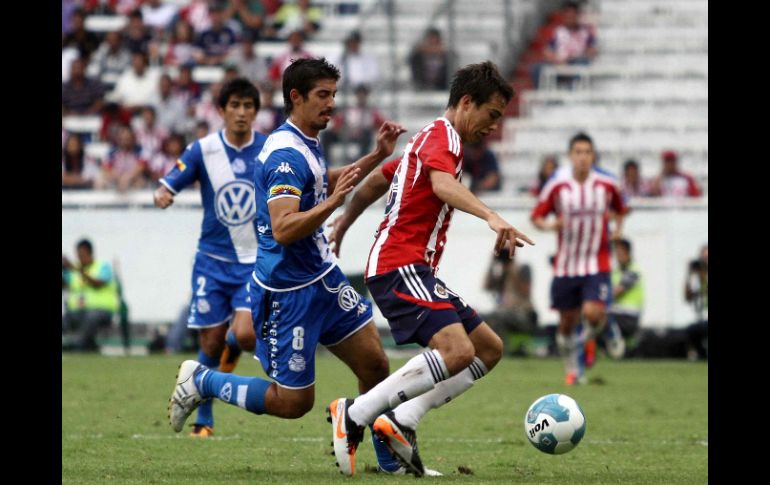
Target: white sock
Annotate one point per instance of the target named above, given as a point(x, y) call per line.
point(416, 377)
point(411, 412)
point(567, 345)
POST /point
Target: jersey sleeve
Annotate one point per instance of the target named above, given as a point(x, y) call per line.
point(618, 202)
point(389, 169)
point(284, 174)
point(441, 150)
point(186, 170)
point(546, 201)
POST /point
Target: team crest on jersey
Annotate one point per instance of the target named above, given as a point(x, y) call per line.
point(296, 363)
point(284, 190)
point(180, 165)
point(203, 306)
point(239, 166)
point(235, 204)
point(284, 167)
point(440, 291)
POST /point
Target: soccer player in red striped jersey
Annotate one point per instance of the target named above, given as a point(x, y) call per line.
point(425, 189)
point(583, 202)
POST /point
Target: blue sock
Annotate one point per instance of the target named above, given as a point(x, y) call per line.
point(384, 458)
point(206, 409)
point(245, 392)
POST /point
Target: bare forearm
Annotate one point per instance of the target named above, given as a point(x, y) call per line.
point(291, 227)
point(367, 163)
point(449, 190)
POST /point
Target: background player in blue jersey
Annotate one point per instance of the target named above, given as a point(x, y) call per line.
point(299, 296)
point(223, 163)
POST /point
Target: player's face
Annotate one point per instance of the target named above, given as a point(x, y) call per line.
point(582, 156)
point(316, 109)
point(482, 120)
point(239, 114)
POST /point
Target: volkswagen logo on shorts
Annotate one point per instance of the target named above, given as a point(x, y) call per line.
point(235, 204)
point(348, 298)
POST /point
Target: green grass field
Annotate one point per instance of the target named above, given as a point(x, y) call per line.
point(647, 424)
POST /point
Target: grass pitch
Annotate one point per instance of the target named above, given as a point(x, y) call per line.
point(646, 424)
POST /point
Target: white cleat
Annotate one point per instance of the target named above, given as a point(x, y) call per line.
point(186, 397)
point(346, 435)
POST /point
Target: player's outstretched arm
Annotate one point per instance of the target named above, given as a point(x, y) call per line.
point(387, 136)
point(374, 187)
point(290, 224)
point(163, 197)
point(451, 191)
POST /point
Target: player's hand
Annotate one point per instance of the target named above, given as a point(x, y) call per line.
point(616, 236)
point(339, 228)
point(507, 233)
point(558, 223)
point(386, 138)
point(345, 183)
point(162, 197)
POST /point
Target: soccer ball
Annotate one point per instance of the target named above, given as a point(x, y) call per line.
point(555, 424)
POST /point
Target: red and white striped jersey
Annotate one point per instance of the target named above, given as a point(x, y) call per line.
point(583, 242)
point(416, 220)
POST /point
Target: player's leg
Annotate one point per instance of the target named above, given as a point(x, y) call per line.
point(566, 298)
point(241, 325)
point(595, 295)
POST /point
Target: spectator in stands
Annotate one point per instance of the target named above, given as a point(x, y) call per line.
point(181, 48)
point(252, 67)
point(293, 16)
point(186, 85)
point(672, 182)
point(548, 167)
point(124, 167)
point(201, 129)
point(429, 62)
point(137, 86)
point(207, 108)
point(93, 298)
point(196, 13)
point(68, 7)
point(81, 95)
point(511, 286)
point(158, 16)
point(171, 108)
point(148, 133)
point(110, 59)
point(296, 50)
point(77, 170)
point(355, 125)
point(85, 41)
point(113, 119)
point(215, 42)
point(572, 43)
point(696, 292)
point(356, 68)
point(163, 161)
point(136, 35)
point(632, 184)
point(249, 16)
point(481, 164)
point(269, 116)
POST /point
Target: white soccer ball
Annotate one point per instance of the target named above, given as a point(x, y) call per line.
point(555, 424)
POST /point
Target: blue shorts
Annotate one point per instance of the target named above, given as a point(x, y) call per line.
point(290, 324)
point(571, 291)
point(418, 305)
point(219, 289)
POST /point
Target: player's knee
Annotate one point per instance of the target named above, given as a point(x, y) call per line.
point(458, 356)
point(492, 351)
point(246, 339)
point(297, 409)
point(379, 367)
point(594, 315)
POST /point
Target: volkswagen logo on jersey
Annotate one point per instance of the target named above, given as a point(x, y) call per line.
point(238, 166)
point(235, 204)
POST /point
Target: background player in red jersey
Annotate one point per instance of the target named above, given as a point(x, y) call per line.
point(425, 188)
point(583, 204)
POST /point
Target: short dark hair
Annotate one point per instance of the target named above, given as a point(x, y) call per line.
point(302, 74)
point(480, 81)
point(241, 87)
point(85, 243)
point(580, 137)
point(630, 163)
point(625, 243)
